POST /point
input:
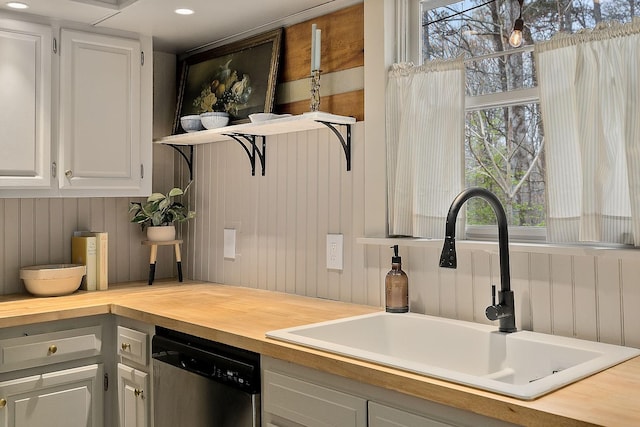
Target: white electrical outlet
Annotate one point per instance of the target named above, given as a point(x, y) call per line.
point(334, 251)
point(229, 243)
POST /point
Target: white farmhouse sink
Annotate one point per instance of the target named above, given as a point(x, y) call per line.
point(523, 364)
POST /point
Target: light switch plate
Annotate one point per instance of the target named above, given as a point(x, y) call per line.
point(335, 249)
point(229, 243)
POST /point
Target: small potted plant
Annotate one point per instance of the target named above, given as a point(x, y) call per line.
point(159, 213)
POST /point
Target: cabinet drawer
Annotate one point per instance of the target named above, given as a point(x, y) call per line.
point(132, 345)
point(310, 404)
point(54, 347)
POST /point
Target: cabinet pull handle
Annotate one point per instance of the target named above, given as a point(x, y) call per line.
point(52, 349)
point(125, 346)
point(68, 173)
point(139, 393)
point(3, 403)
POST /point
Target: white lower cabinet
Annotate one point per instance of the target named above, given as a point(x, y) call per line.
point(296, 396)
point(307, 404)
point(66, 398)
point(133, 397)
point(134, 394)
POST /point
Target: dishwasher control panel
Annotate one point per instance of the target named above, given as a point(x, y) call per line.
point(220, 362)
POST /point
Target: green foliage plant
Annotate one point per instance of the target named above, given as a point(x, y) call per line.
point(160, 209)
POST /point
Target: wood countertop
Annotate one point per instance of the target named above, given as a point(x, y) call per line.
point(241, 316)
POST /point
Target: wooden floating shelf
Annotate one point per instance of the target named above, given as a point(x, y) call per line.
point(247, 135)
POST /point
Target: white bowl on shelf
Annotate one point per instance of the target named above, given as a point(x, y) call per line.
point(52, 279)
point(191, 123)
point(213, 120)
point(263, 117)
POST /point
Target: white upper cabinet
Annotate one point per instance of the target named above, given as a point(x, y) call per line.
point(99, 112)
point(25, 110)
point(77, 112)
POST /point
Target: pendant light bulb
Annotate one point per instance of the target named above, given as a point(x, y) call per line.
point(515, 39)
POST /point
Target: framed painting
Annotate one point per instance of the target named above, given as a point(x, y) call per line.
point(238, 78)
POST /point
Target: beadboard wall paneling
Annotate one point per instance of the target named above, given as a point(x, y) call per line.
point(38, 231)
point(587, 297)
point(282, 218)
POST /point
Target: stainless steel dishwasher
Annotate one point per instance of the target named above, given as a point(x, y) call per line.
point(201, 383)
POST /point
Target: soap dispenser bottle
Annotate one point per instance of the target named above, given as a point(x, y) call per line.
point(396, 286)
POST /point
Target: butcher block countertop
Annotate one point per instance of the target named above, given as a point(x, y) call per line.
point(241, 316)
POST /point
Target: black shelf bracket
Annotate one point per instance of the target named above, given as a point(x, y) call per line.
point(188, 159)
point(252, 149)
point(346, 143)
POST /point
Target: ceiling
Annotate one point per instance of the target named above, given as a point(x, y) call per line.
point(213, 23)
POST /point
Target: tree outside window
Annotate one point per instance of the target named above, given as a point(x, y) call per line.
point(504, 146)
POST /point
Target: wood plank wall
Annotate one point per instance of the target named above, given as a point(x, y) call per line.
point(342, 49)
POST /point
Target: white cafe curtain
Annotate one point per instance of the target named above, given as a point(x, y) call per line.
point(590, 100)
point(425, 143)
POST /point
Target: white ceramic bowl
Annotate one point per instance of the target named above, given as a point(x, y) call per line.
point(191, 123)
point(52, 279)
point(263, 117)
point(214, 120)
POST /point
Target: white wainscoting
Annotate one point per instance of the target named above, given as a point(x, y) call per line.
point(282, 220)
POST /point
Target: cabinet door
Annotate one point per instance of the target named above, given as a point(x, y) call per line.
point(309, 404)
point(25, 110)
point(100, 141)
point(133, 399)
point(385, 416)
point(68, 398)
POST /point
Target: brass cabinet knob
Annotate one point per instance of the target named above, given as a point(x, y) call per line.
point(125, 346)
point(3, 403)
point(139, 393)
point(68, 173)
point(52, 349)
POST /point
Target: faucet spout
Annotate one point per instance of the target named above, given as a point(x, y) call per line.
point(504, 311)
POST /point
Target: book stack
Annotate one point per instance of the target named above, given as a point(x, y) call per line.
point(91, 248)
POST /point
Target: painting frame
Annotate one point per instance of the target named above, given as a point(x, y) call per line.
point(246, 70)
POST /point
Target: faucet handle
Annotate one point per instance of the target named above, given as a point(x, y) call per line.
point(495, 311)
point(502, 310)
point(493, 294)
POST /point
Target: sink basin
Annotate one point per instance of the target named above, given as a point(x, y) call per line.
point(523, 364)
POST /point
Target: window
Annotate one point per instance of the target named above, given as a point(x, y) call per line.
point(504, 138)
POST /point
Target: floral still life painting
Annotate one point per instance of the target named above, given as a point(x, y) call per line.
point(227, 92)
point(238, 79)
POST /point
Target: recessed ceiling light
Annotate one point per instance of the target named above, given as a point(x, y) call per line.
point(17, 5)
point(184, 11)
